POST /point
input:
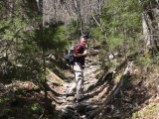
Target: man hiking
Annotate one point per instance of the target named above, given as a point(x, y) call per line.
point(80, 52)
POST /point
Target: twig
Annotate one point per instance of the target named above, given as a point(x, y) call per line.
point(42, 115)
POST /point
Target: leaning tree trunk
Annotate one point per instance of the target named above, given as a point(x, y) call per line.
point(150, 15)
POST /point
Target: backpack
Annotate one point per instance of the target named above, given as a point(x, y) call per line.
point(69, 56)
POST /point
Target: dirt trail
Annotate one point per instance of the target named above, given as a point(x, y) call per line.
point(65, 100)
point(114, 95)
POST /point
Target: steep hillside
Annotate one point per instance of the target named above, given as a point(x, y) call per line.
point(124, 90)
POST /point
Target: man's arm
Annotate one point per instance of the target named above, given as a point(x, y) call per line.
point(81, 54)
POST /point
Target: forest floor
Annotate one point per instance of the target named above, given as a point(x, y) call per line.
point(113, 94)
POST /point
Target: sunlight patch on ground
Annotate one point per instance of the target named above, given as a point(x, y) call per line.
point(149, 112)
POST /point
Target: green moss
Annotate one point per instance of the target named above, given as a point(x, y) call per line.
point(150, 112)
point(36, 107)
point(5, 112)
point(3, 100)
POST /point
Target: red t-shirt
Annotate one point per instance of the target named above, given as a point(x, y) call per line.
point(79, 48)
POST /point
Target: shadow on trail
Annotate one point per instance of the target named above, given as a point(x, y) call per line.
point(119, 101)
point(107, 80)
point(98, 87)
point(102, 81)
point(127, 97)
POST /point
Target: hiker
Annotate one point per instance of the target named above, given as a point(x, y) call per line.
point(80, 52)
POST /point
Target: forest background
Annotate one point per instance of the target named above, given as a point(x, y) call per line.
point(34, 35)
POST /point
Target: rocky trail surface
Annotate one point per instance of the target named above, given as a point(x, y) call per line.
point(107, 93)
point(64, 97)
point(110, 93)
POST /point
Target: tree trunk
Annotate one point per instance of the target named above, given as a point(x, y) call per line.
point(150, 16)
point(146, 30)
